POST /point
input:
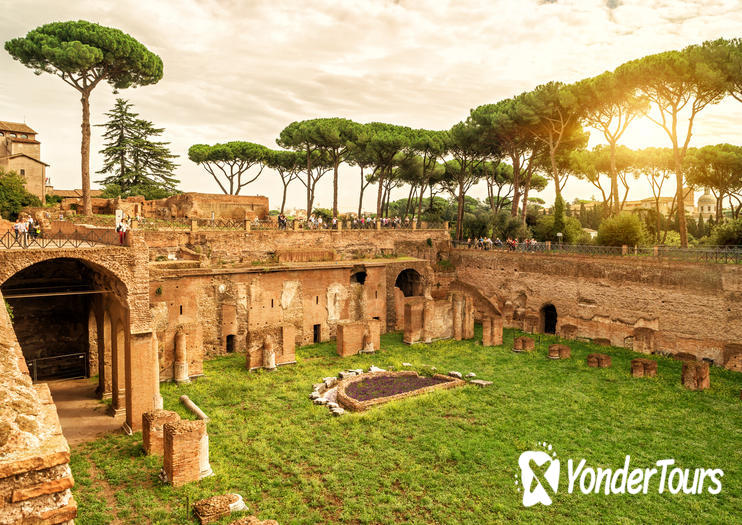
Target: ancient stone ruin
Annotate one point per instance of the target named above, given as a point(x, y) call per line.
point(641, 367)
point(695, 375)
point(523, 344)
point(596, 360)
point(559, 351)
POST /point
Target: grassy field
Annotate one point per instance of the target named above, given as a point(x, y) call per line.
point(447, 457)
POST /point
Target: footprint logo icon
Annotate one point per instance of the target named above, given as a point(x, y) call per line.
point(539, 475)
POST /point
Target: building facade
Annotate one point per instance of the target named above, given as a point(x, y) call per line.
point(21, 152)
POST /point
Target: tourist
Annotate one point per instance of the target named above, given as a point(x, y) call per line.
point(122, 229)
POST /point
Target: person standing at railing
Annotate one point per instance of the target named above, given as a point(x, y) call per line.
point(122, 228)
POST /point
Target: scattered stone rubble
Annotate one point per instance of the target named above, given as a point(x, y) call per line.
point(212, 509)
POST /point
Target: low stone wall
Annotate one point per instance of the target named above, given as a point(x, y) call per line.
point(35, 477)
point(263, 245)
point(355, 405)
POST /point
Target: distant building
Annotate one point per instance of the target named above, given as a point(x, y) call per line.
point(706, 205)
point(21, 152)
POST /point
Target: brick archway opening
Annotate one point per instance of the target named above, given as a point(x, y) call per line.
point(548, 319)
point(58, 314)
point(410, 282)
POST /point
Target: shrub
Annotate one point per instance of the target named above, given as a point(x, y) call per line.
point(727, 234)
point(13, 195)
point(545, 230)
point(625, 228)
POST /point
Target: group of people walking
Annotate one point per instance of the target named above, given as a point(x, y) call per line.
point(486, 243)
point(26, 228)
point(386, 222)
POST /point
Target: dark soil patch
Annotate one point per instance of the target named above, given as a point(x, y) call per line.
point(385, 386)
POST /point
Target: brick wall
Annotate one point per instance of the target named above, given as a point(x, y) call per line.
point(35, 477)
point(665, 307)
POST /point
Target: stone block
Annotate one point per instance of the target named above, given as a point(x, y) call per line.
point(152, 430)
point(480, 383)
point(413, 320)
point(599, 360)
point(559, 351)
point(181, 463)
point(695, 375)
point(523, 344)
point(641, 367)
point(349, 337)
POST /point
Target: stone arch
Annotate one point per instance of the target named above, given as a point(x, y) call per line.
point(122, 274)
point(410, 282)
point(548, 319)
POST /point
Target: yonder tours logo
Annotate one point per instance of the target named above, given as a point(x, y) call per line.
point(540, 473)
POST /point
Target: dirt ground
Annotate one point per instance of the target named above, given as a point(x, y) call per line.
point(83, 417)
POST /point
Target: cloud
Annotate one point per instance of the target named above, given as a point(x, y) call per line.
point(244, 70)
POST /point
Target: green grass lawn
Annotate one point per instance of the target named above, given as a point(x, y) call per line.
point(447, 457)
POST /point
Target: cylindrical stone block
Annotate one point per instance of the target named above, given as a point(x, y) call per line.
point(180, 366)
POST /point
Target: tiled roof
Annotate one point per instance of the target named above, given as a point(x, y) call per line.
point(17, 127)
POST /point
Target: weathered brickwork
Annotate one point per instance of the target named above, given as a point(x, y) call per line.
point(181, 461)
point(35, 478)
point(153, 423)
point(266, 245)
point(646, 305)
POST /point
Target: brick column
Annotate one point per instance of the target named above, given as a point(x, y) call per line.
point(413, 317)
point(248, 225)
point(182, 444)
point(194, 225)
point(497, 323)
point(458, 316)
point(486, 331)
point(140, 379)
point(153, 423)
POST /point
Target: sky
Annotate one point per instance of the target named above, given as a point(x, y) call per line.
point(243, 70)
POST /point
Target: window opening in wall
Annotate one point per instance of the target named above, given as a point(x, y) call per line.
point(317, 299)
point(271, 303)
point(181, 309)
point(230, 344)
point(317, 333)
point(23, 172)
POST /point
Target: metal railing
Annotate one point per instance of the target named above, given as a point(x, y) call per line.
point(700, 254)
point(78, 238)
point(67, 366)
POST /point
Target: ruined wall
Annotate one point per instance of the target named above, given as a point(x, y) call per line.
point(248, 304)
point(648, 305)
point(35, 477)
point(264, 245)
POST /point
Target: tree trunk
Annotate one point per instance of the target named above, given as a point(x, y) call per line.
point(525, 199)
point(380, 195)
point(682, 226)
point(360, 198)
point(335, 191)
point(516, 185)
point(409, 199)
point(460, 214)
point(420, 203)
point(614, 180)
point(283, 200)
point(87, 206)
point(309, 183)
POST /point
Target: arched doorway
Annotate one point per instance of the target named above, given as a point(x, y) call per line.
point(410, 282)
point(548, 319)
point(61, 318)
